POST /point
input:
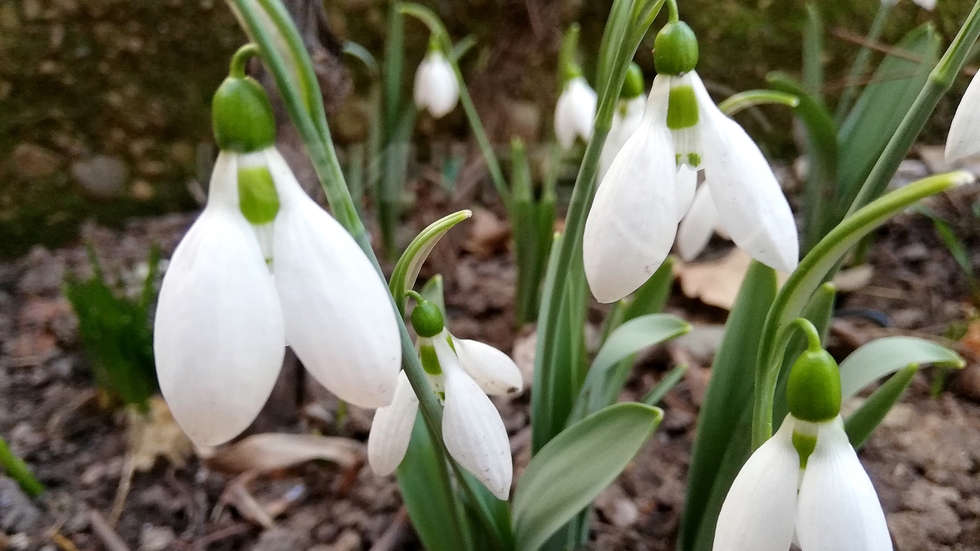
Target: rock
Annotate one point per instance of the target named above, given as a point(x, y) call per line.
point(102, 176)
point(617, 507)
point(33, 161)
point(142, 190)
point(17, 512)
point(279, 539)
point(156, 538)
point(967, 382)
point(44, 272)
point(31, 9)
point(909, 171)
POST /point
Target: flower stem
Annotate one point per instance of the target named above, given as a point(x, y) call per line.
point(17, 469)
point(812, 335)
point(940, 80)
point(240, 59)
point(310, 120)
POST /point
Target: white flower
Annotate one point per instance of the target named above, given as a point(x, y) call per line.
point(436, 88)
point(926, 4)
point(964, 132)
point(698, 224)
point(633, 220)
point(471, 426)
point(236, 294)
point(830, 504)
point(575, 112)
point(625, 121)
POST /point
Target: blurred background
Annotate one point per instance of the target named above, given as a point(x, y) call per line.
point(104, 104)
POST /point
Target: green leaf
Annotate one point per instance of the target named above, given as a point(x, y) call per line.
point(813, 53)
point(362, 54)
point(887, 355)
point(571, 470)
point(880, 109)
point(433, 292)
point(665, 385)
point(462, 47)
point(862, 422)
point(815, 267)
point(651, 297)
point(729, 390)
point(428, 507)
point(408, 266)
point(602, 384)
point(822, 152)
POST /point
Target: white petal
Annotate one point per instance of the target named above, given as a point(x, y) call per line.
point(687, 183)
point(760, 509)
point(964, 132)
point(218, 335)
point(633, 220)
point(839, 509)
point(391, 430)
point(436, 88)
point(339, 316)
point(625, 121)
point(471, 426)
point(575, 112)
point(696, 228)
point(750, 203)
point(490, 368)
point(926, 4)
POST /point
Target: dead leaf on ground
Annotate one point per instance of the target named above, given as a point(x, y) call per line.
point(271, 451)
point(854, 279)
point(488, 234)
point(157, 434)
point(716, 282)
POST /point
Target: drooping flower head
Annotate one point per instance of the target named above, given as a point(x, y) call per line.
point(262, 267)
point(576, 107)
point(964, 132)
point(463, 372)
point(805, 484)
point(436, 88)
point(649, 185)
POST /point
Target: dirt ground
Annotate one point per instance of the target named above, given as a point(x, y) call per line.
point(924, 459)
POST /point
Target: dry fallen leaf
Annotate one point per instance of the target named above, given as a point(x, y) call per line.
point(488, 234)
point(156, 434)
point(716, 282)
point(854, 279)
point(271, 451)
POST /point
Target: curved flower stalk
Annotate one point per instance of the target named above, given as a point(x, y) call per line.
point(964, 132)
point(463, 372)
point(575, 112)
point(436, 89)
point(633, 221)
point(805, 484)
point(262, 267)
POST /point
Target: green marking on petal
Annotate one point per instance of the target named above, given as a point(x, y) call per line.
point(430, 362)
point(682, 109)
point(693, 159)
point(804, 444)
point(257, 197)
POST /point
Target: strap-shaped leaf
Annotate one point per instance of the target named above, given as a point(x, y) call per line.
point(571, 470)
point(887, 355)
point(863, 422)
point(628, 339)
point(407, 269)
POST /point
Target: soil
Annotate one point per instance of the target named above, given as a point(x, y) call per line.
point(924, 459)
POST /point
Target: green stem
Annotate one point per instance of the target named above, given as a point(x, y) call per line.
point(313, 128)
point(240, 59)
point(940, 80)
point(18, 470)
point(812, 335)
point(438, 30)
point(672, 15)
point(861, 61)
point(813, 270)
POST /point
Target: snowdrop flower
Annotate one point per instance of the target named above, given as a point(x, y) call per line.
point(626, 119)
point(633, 221)
point(964, 132)
point(698, 224)
point(436, 88)
point(262, 267)
point(928, 5)
point(805, 484)
point(575, 112)
point(463, 372)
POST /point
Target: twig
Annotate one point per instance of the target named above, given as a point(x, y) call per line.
point(855, 38)
point(222, 534)
point(109, 538)
point(394, 534)
point(62, 542)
